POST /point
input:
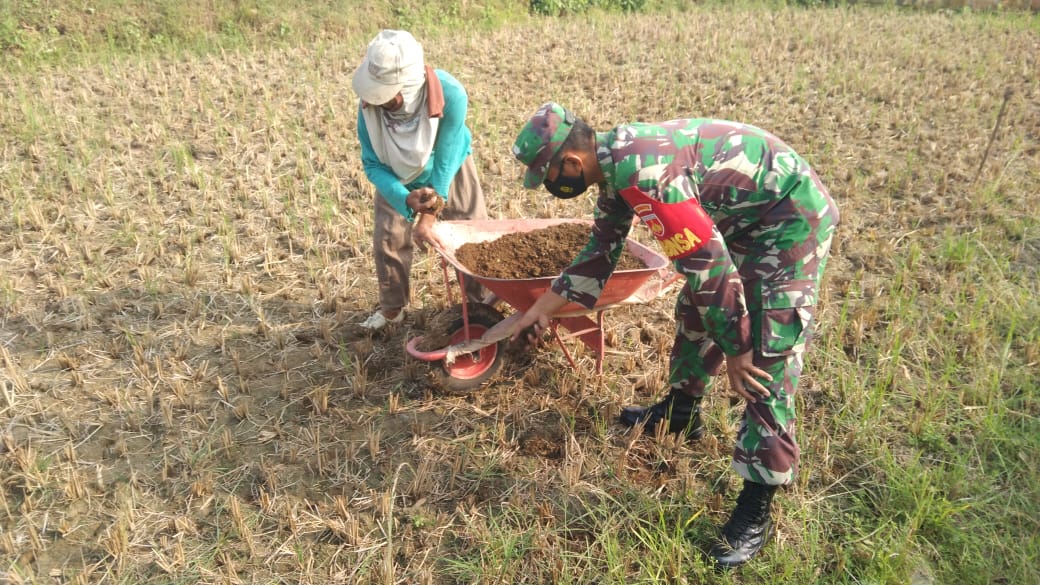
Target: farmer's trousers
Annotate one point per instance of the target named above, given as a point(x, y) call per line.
point(392, 237)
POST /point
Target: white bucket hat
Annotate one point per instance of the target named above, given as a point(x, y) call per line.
point(394, 57)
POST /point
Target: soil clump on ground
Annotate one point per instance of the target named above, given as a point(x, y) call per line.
point(535, 254)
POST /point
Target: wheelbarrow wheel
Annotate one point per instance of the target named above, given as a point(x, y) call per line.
point(470, 371)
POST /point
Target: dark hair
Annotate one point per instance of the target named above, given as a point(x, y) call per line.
point(582, 137)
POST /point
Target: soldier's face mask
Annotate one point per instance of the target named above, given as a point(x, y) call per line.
point(566, 187)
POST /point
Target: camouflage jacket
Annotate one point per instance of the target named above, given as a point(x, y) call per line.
point(765, 201)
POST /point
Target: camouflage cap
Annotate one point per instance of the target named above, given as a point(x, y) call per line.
point(539, 140)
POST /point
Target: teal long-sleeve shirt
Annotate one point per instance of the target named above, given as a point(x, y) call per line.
point(450, 149)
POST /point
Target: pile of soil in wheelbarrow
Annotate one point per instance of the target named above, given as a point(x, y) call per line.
point(534, 254)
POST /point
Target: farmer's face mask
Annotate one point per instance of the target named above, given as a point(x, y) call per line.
point(566, 187)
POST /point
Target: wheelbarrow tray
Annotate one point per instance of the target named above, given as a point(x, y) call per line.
point(521, 293)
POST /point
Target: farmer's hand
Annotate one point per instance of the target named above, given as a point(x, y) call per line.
point(537, 317)
point(742, 373)
point(422, 232)
point(424, 200)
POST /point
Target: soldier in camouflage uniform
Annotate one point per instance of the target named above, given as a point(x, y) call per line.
point(749, 225)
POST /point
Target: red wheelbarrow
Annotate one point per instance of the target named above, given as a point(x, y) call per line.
point(475, 350)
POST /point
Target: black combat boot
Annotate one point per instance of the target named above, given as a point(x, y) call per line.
point(682, 411)
point(749, 527)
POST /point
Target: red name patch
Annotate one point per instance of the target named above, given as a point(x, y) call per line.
point(682, 228)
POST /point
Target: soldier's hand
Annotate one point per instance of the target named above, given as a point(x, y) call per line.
point(536, 320)
point(743, 376)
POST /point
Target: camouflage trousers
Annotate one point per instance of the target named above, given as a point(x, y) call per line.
point(782, 314)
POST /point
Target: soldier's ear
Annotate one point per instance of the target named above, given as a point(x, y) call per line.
point(572, 163)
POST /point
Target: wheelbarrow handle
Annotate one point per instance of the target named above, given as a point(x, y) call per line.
point(652, 289)
point(669, 277)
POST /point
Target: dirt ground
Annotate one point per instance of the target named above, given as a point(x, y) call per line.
point(185, 253)
point(534, 254)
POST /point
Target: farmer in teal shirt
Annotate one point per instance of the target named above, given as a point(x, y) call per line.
point(749, 225)
point(416, 151)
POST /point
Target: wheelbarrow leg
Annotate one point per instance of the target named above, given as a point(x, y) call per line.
point(465, 303)
point(555, 326)
point(588, 331)
point(602, 346)
point(451, 294)
point(447, 282)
